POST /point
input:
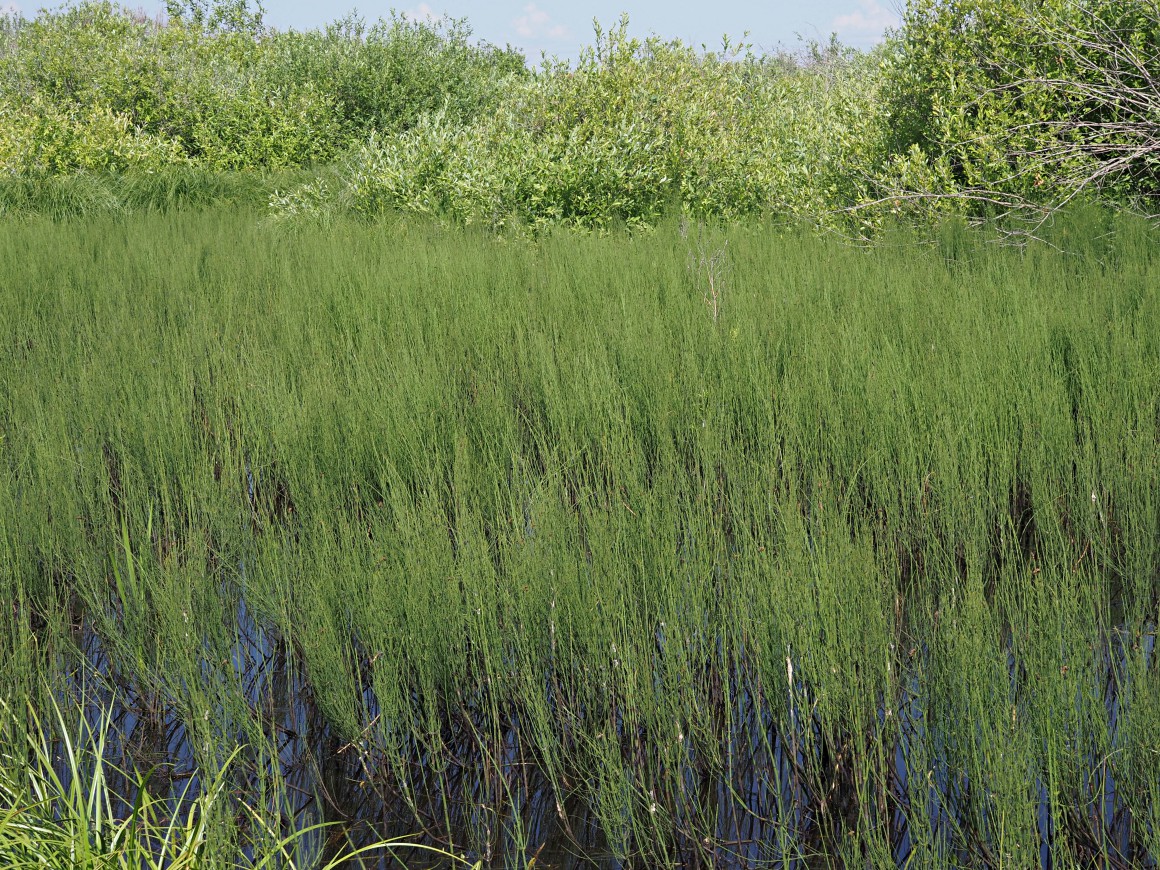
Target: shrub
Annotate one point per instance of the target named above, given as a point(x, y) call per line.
point(634, 127)
point(96, 87)
point(42, 137)
point(997, 103)
point(386, 76)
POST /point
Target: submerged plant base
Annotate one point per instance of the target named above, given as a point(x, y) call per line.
point(517, 550)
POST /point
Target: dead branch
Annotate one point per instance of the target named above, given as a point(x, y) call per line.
point(1109, 82)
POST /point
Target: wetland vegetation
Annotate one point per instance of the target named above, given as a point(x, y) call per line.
point(673, 458)
point(516, 549)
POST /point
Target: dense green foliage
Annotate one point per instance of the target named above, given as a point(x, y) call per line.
point(973, 106)
point(715, 544)
point(94, 87)
point(420, 120)
point(341, 519)
point(520, 520)
point(633, 129)
point(1012, 98)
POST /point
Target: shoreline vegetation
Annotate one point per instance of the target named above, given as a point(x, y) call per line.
point(412, 458)
point(512, 546)
point(985, 109)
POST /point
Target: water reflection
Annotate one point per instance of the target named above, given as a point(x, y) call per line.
point(491, 800)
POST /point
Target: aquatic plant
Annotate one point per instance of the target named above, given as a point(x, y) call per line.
point(515, 548)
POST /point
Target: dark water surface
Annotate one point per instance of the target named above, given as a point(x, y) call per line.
point(767, 813)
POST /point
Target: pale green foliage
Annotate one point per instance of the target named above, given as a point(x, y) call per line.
point(94, 87)
point(974, 105)
point(244, 128)
point(1007, 99)
point(100, 89)
point(635, 127)
point(218, 15)
point(43, 137)
point(423, 121)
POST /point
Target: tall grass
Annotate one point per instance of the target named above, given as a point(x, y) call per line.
point(87, 195)
point(61, 808)
point(522, 547)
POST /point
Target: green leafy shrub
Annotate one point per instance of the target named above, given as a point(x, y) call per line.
point(995, 103)
point(978, 106)
point(42, 137)
point(94, 87)
point(634, 127)
point(243, 126)
point(386, 76)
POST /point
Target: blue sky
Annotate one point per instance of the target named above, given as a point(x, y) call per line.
point(560, 27)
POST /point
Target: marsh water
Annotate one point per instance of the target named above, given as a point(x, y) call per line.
point(767, 813)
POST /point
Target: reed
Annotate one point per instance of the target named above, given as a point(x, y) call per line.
point(520, 548)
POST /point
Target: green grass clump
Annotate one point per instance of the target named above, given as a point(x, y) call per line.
point(543, 547)
point(64, 805)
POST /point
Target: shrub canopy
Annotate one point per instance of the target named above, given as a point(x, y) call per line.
point(973, 106)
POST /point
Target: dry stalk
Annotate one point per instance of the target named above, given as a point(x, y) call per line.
point(711, 264)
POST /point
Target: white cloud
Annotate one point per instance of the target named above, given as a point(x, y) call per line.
point(423, 13)
point(866, 23)
point(535, 23)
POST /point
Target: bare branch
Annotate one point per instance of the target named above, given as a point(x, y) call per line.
point(1104, 81)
